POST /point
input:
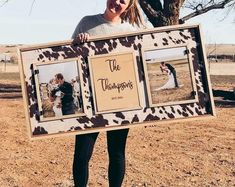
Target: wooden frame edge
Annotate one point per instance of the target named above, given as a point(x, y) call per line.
point(140, 32)
point(147, 124)
point(24, 95)
point(206, 69)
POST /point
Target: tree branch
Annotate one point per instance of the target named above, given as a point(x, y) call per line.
point(31, 7)
point(3, 3)
point(203, 10)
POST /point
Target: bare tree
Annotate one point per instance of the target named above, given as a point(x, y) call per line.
point(167, 12)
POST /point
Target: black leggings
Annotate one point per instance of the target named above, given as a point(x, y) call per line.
point(116, 149)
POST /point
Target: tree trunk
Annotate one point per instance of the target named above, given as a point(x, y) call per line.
point(162, 15)
point(171, 11)
point(154, 11)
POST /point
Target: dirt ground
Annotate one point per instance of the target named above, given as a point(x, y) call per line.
point(9, 67)
point(187, 154)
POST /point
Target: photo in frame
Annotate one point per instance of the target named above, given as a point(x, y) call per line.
point(169, 76)
point(59, 89)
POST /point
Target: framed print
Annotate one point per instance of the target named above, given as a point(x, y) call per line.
point(114, 82)
point(59, 89)
point(125, 80)
point(169, 76)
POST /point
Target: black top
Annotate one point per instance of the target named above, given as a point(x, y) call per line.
point(67, 89)
point(170, 67)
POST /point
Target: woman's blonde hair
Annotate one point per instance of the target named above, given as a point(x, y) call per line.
point(132, 14)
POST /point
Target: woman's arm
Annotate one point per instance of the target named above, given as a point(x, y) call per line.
point(80, 35)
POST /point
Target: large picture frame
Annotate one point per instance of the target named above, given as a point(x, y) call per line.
point(165, 88)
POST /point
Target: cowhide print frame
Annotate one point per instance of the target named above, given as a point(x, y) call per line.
point(113, 118)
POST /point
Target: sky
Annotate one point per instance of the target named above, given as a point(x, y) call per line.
point(165, 54)
point(53, 20)
point(46, 74)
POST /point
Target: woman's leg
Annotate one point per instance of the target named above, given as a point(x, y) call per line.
point(116, 149)
point(83, 150)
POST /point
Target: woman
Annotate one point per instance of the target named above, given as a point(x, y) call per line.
point(119, 16)
point(170, 83)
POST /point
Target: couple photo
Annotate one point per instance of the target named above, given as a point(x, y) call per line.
point(169, 75)
point(60, 92)
point(172, 81)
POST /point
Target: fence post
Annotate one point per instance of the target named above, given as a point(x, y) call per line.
point(5, 63)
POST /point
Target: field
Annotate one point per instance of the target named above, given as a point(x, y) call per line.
point(221, 49)
point(9, 67)
point(222, 68)
point(186, 154)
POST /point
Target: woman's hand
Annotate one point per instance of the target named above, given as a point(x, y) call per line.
point(81, 38)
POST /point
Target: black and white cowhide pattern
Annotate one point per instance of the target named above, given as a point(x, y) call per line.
point(114, 45)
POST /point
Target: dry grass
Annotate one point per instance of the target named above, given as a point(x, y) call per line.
point(188, 154)
point(223, 82)
point(10, 78)
point(221, 49)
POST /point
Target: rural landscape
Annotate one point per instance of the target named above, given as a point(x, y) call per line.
point(192, 154)
point(198, 153)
